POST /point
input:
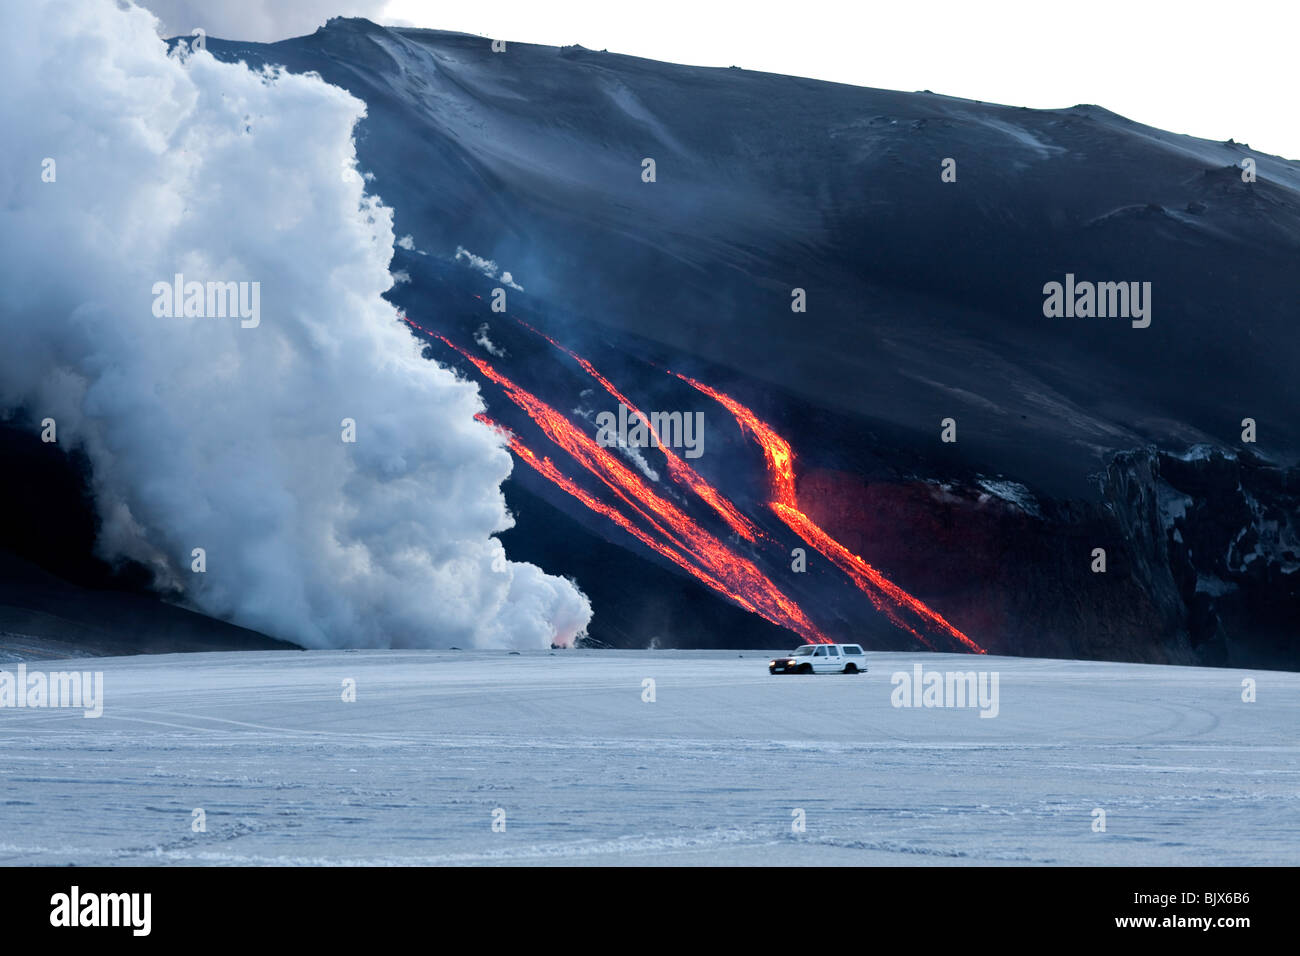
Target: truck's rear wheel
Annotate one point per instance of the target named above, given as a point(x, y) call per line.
point(850, 668)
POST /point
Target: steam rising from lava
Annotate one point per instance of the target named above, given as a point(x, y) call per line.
point(203, 434)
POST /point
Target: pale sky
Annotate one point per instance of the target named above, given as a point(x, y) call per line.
point(1212, 69)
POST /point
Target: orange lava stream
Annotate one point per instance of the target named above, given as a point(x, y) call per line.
point(681, 472)
point(712, 562)
point(780, 459)
point(547, 469)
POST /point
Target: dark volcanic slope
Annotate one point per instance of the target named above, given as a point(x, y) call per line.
point(57, 599)
point(925, 298)
point(43, 616)
point(924, 302)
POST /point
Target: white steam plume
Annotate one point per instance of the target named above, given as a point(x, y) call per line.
point(207, 434)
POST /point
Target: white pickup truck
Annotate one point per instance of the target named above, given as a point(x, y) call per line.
point(821, 659)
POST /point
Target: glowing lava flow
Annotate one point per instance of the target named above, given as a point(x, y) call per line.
point(681, 472)
point(546, 468)
point(780, 459)
point(710, 560)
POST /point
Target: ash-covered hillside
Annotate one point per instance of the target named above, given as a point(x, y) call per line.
point(924, 297)
point(918, 233)
point(924, 302)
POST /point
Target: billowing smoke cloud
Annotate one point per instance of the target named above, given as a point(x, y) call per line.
point(259, 21)
point(123, 167)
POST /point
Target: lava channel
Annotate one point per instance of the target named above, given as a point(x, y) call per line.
point(711, 561)
point(679, 470)
point(780, 461)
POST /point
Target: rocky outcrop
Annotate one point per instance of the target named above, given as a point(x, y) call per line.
point(1202, 557)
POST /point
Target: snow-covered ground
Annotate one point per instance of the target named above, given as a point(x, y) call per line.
point(588, 772)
